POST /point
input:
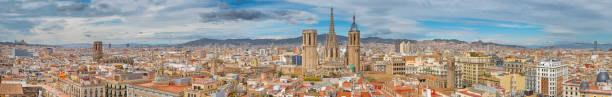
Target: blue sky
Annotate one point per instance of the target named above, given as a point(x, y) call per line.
point(517, 22)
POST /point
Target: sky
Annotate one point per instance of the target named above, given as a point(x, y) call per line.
point(515, 22)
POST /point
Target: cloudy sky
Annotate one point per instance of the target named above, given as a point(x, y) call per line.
point(518, 22)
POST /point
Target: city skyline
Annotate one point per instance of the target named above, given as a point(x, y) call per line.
point(297, 48)
point(171, 22)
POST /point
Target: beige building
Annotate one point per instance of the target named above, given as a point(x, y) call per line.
point(514, 65)
point(396, 66)
point(353, 48)
point(82, 86)
point(6, 61)
point(116, 84)
point(571, 88)
point(310, 56)
point(434, 81)
point(97, 51)
point(513, 82)
point(203, 88)
point(474, 69)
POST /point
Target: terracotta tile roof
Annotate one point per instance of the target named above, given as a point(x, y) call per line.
point(169, 88)
point(410, 58)
point(347, 85)
point(11, 89)
point(345, 94)
point(365, 94)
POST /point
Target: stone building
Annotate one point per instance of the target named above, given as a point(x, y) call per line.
point(331, 44)
point(97, 51)
point(353, 49)
point(310, 56)
point(116, 84)
point(82, 86)
point(204, 88)
point(474, 69)
point(396, 65)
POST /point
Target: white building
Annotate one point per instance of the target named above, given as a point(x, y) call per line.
point(405, 48)
point(551, 73)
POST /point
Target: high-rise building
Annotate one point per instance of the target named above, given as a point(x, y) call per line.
point(331, 44)
point(297, 60)
point(550, 77)
point(404, 47)
point(97, 51)
point(595, 46)
point(353, 47)
point(530, 77)
point(310, 57)
point(397, 45)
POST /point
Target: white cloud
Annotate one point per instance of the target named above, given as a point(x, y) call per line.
point(161, 20)
point(34, 5)
point(560, 19)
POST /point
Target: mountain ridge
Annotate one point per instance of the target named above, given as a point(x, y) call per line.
point(320, 39)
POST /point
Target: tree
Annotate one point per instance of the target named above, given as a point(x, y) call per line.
point(372, 80)
point(280, 73)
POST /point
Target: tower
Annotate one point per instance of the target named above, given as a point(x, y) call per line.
point(97, 51)
point(450, 74)
point(353, 47)
point(310, 57)
point(331, 44)
point(595, 46)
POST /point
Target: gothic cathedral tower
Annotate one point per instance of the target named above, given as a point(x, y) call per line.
point(331, 44)
point(310, 57)
point(353, 48)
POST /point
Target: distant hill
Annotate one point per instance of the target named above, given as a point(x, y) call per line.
point(24, 43)
point(581, 46)
point(113, 45)
point(298, 40)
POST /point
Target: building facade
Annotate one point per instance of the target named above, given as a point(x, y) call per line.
point(310, 56)
point(116, 85)
point(571, 88)
point(83, 86)
point(513, 82)
point(353, 48)
point(475, 69)
point(550, 75)
point(97, 51)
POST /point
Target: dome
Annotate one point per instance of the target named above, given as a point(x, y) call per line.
point(584, 85)
point(603, 77)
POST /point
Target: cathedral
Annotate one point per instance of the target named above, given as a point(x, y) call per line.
point(332, 62)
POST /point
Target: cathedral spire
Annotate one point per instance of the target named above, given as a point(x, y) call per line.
point(331, 24)
point(354, 25)
point(331, 45)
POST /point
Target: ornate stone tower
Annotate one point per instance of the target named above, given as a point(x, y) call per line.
point(97, 51)
point(310, 56)
point(353, 47)
point(331, 44)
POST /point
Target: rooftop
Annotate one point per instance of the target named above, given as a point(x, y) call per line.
point(11, 89)
point(169, 88)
